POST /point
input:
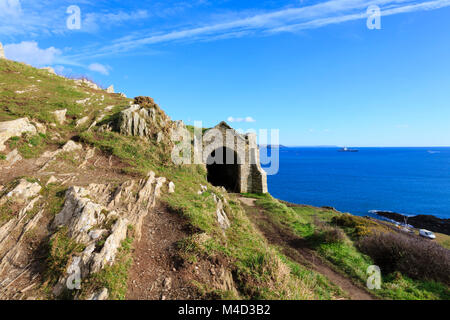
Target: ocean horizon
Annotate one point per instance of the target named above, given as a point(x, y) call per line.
point(406, 180)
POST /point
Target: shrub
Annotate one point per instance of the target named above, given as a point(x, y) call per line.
point(418, 258)
point(358, 226)
point(334, 235)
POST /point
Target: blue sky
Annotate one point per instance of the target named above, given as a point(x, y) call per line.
point(311, 69)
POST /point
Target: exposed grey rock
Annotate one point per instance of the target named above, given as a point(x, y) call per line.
point(112, 244)
point(135, 121)
point(49, 69)
point(24, 190)
point(86, 219)
point(88, 83)
point(2, 52)
point(51, 180)
point(82, 121)
point(60, 115)
point(110, 89)
point(71, 146)
point(222, 218)
point(12, 158)
point(41, 128)
point(14, 128)
point(100, 295)
point(79, 214)
point(171, 187)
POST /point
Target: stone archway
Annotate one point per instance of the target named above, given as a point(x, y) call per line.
point(223, 173)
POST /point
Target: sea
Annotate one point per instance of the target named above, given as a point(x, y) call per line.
point(409, 181)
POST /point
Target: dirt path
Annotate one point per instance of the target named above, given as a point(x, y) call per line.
point(297, 249)
point(157, 273)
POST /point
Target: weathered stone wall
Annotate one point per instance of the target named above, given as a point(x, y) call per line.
point(252, 178)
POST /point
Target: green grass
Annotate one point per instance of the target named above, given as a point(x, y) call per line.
point(345, 256)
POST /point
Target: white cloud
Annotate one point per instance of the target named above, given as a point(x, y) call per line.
point(246, 119)
point(93, 22)
point(100, 68)
point(29, 52)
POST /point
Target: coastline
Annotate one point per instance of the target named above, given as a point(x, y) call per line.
point(428, 222)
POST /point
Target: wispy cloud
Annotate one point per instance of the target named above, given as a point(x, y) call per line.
point(284, 20)
point(241, 24)
point(246, 119)
point(100, 68)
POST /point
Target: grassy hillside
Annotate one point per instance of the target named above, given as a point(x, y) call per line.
point(334, 236)
point(251, 265)
point(258, 270)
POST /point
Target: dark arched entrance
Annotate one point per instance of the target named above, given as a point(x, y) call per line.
point(221, 173)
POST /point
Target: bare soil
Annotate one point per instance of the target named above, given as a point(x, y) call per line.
point(157, 272)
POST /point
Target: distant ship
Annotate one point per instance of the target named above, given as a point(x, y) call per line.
point(345, 149)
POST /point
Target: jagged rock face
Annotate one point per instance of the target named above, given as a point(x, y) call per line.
point(87, 220)
point(14, 128)
point(135, 121)
point(146, 119)
point(88, 83)
point(13, 233)
point(110, 89)
point(24, 190)
point(222, 218)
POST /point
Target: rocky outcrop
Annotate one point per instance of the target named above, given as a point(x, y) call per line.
point(136, 121)
point(146, 119)
point(14, 258)
point(222, 218)
point(14, 128)
point(48, 157)
point(60, 115)
point(110, 89)
point(2, 52)
point(49, 69)
point(24, 190)
point(87, 83)
point(428, 222)
point(82, 121)
point(107, 217)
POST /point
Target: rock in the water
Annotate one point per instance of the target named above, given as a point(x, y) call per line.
point(14, 128)
point(60, 115)
point(110, 89)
